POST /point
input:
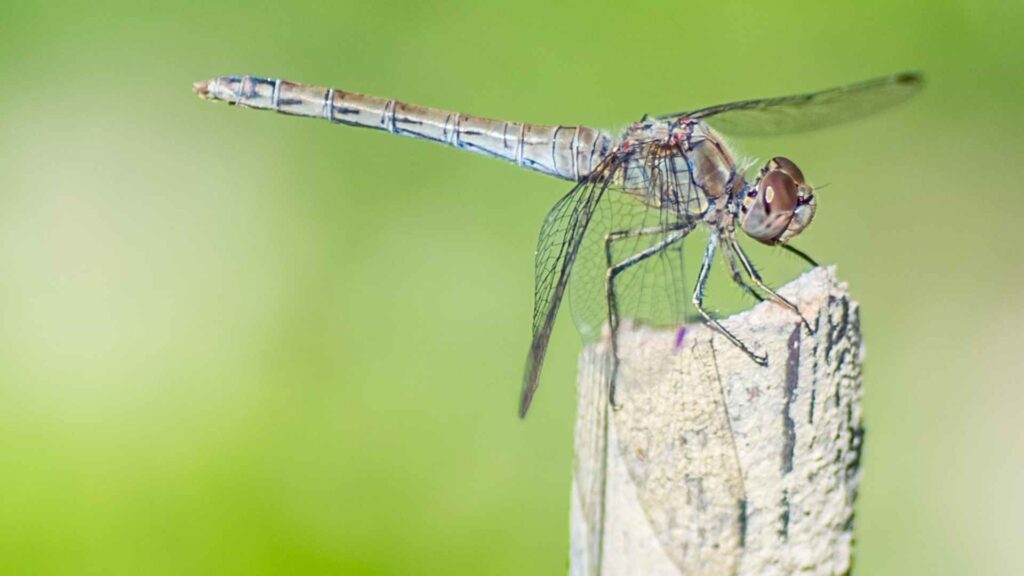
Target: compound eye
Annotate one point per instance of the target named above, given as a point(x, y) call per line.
point(778, 191)
point(786, 165)
point(768, 216)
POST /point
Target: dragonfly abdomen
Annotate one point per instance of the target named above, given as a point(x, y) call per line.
point(568, 152)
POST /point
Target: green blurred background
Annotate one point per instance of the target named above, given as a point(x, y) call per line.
point(233, 342)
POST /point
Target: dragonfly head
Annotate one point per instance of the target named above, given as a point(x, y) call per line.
point(779, 205)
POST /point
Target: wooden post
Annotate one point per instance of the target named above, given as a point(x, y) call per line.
point(714, 465)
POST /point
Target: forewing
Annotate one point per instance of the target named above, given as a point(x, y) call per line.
point(557, 247)
point(812, 111)
point(652, 291)
point(646, 193)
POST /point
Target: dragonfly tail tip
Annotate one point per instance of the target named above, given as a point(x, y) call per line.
point(202, 88)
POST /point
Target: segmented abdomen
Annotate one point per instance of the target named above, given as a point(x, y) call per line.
point(569, 152)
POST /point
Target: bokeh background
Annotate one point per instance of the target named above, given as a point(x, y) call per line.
point(234, 342)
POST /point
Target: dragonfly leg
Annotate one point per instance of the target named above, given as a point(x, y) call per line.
point(676, 232)
point(698, 302)
point(756, 277)
point(737, 277)
point(801, 254)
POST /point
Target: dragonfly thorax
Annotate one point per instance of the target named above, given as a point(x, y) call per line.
point(686, 168)
point(713, 164)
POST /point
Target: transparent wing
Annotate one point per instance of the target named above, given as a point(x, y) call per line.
point(652, 291)
point(644, 197)
point(560, 238)
point(803, 112)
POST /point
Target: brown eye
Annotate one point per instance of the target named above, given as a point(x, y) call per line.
point(766, 216)
point(786, 165)
point(778, 191)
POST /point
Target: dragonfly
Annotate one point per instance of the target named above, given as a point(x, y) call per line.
point(614, 241)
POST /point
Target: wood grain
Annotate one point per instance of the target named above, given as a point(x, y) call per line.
point(714, 465)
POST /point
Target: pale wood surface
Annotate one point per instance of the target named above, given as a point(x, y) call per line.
point(714, 465)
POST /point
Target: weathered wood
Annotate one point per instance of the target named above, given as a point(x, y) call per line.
point(713, 465)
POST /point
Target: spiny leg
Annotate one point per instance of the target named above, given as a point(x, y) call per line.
point(734, 271)
point(756, 277)
point(676, 232)
point(800, 254)
point(698, 302)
